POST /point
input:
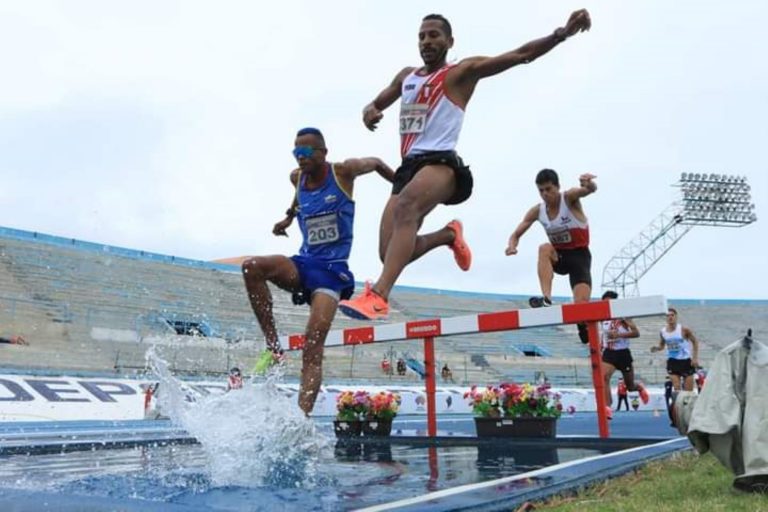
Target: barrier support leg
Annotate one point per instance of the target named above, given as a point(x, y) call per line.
point(597, 378)
point(434, 473)
point(429, 376)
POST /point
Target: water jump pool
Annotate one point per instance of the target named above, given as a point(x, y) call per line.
point(154, 465)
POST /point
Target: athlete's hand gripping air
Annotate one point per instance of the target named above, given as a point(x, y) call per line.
point(280, 228)
point(579, 21)
point(372, 116)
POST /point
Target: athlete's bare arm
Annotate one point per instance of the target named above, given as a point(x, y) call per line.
point(688, 334)
point(586, 187)
point(461, 81)
point(374, 111)
point(634, 332)
point(351, 168)
point(530, 217)
point(290, 213)
point(660, 346)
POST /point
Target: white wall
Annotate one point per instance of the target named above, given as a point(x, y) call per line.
point(36, 398)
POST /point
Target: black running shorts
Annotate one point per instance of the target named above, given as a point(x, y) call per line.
point(620, 359)
point(680, 367)
point(413, 164)
point(576, 264)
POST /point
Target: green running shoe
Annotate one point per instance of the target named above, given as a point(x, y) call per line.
point(264, 362)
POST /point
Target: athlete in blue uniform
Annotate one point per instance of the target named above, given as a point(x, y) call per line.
point(318, 275)
point(682, 351)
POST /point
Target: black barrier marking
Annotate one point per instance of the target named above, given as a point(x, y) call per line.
point(19, 393)
point(95, 388)
point(205, 389)
point(52, 395)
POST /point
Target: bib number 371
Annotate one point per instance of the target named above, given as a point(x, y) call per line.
point(413, 118)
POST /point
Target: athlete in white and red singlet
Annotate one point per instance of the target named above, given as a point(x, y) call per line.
point(615, 335)
point(567, 252)
point(434, 97)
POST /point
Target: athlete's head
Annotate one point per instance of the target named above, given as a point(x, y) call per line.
point(671, 316)
point(610, 294)
point(549, 185)
point(435, 39)
point(309, 149)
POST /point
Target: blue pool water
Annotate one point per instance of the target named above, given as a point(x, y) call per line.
point(351, 476)
point(257, 451)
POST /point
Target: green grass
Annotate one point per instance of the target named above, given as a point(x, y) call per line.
point(686, 482)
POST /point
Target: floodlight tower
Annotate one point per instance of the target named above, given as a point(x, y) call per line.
point(705, 200)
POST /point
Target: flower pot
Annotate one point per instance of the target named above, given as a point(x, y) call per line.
point(516, 427)
point(377, 428)
point(344, 429)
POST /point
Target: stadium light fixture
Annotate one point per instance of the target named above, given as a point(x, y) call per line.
point(706, 199)
point(715, 200)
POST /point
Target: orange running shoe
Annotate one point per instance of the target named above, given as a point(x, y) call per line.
point(369, 305)
point(461, 252)
point(643, 393)
point(608, 412)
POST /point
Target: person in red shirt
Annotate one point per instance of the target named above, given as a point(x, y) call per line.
point(621, 393)
point(701, 376)
point(235, 380)
point(386, 367)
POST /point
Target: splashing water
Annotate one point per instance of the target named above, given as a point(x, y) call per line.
point(252, 436)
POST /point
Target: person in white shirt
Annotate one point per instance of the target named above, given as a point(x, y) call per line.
point(433, 100)
point(567, 251)
point(682, 351)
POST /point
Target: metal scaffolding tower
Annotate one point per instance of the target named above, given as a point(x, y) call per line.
point(705, 200)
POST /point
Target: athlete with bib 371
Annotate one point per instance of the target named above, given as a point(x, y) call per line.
point(433, 100)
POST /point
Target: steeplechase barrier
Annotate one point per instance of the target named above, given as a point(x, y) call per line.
point(427, 330)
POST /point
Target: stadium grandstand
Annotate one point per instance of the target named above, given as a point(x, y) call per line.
point(92, 309)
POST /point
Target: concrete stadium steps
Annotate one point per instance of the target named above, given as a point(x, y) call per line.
point(82, 308)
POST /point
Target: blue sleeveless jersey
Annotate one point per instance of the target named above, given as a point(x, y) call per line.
point(325, 218)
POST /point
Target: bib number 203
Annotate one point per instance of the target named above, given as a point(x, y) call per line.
point(322, 230)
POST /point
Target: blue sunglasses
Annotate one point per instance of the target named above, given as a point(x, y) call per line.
point(303, 151)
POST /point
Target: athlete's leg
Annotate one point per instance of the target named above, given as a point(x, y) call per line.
point(432, 185)
point(279, 270)
point(424, 243)
point(608, 370)
point(625, 400)
point(320, 317)
point(688, 383)
point(545, 267)
point(582, 292)
point(675, 381)
point(629, 379)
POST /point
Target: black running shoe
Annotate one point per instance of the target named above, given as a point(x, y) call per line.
point(539, 302)
point(583, 332)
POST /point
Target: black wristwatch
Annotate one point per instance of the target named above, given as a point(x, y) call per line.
point(560, 34)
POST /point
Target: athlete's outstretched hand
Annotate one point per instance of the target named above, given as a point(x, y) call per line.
point(372, 116)
point(578, 22)
point(584, 179)
point(511, 247)
point(280, 227)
